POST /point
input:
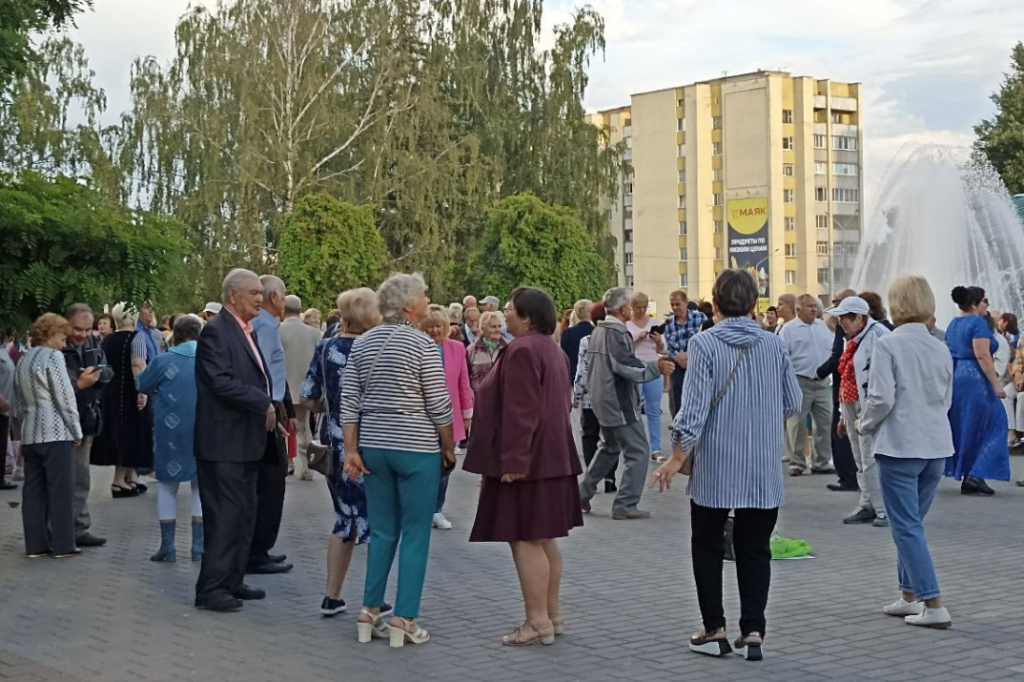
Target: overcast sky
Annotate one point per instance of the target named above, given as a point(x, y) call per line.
point(927, 66)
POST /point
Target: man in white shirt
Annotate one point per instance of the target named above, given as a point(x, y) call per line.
point(299, 341)
point(809, 344)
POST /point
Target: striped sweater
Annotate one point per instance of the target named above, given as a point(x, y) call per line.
point(406, 398)
point(44, 399)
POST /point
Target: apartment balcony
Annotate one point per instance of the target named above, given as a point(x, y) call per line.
point(627, 132)
point(627, 202)
point(819, 101)
point(627, 154)
point(844, 104)
point(844, 129)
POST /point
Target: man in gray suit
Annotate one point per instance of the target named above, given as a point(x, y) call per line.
point(299, 341)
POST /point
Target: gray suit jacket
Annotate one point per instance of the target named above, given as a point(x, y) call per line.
point(299, 341)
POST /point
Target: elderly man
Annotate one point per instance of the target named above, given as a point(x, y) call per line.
point(146, 326)
point(299, 341)
point(572, 336)
point(274, 466)
point(469, 302)
point(809, 344)
point(613, 372)
point(234, 419)
point(211, 309)
point(842, 452)
point(88, 369)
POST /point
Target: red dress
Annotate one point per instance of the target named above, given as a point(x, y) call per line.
point(521, 426)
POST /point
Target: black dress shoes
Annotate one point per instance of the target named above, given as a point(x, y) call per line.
point(90, 540)
point(247, 593)
point(269, 568)
point(843, 488)
point(972, 485)
point(277, 558)
point(218, 601)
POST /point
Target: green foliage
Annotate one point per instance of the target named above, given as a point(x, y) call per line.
point(328, 246)
point(528, 242)
point(19, 19)
point(1001, 139)
point(64, 242)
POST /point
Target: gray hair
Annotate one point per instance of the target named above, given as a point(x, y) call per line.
point(186, 328)
point(235, 280)
point(396, 292)
point(272, 285)
point(615, 299)
point(292, 305)
point(77, 309)
point(491, 300)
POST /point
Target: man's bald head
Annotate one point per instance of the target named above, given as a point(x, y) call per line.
point(845, 293)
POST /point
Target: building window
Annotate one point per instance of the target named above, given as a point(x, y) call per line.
point(821, 221)
point(682, 227)
point(821, 194)
point(820, 168)
point(822, 248)
point(629, 259)
point(629, 282)
point(819, 142)
point(682, 201)
point(716, 148)
point(684, 280)
point(716, 174)
point(822, 275)
point(682, 177)
point(717, 227)
point(682, 254)
point(681, 125)
point(789, 196)
point(844, 143)
point(790, 276)
point(852, 248)
point(629, 189)
point(787, 115)
point(718, 253)
point(840, 275)
point(844, 168)
point(845, 195)
point(787, 143)
point(682, 150)
point(787, 169)
point(716, 122)
point(680, 103)
point(717, 199)
point(790, 223)
point(790, 250)
point(837, 118)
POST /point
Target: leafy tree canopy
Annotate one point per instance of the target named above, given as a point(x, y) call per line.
point(64, 243)
point(19, 19)
point(1001, 138)
point(528, 242)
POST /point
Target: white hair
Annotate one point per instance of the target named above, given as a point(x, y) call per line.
point(292, 305)
point(396, 293)
point(235, 280)
point(272, 285)
point(615, 299)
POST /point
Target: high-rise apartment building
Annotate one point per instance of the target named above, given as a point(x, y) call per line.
point(762, 171)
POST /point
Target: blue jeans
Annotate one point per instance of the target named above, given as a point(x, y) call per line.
point(442, 493)
point(652, 391)
point(908, 488)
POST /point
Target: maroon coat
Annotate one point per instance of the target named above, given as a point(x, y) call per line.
point(521, 423)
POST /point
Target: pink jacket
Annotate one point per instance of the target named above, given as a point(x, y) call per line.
point(456, 378)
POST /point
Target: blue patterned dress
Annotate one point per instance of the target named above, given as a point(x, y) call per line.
point(323, 381)
point(977, 416)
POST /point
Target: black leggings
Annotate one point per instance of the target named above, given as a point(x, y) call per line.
point(751, 542)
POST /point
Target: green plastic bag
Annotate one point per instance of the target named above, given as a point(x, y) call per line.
point(790, 548)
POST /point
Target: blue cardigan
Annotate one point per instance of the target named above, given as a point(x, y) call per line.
point(170, 383)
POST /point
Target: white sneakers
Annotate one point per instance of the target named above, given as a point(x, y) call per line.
point(460, 450)
point(441, 523)
point(916, 613)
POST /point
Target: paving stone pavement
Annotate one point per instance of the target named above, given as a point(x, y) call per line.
point(628, 596)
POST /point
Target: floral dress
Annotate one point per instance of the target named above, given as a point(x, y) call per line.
point(323, 382)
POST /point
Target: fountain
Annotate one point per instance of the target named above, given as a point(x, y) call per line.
point(945, 217)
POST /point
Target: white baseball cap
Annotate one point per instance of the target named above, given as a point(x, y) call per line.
point(212, 307)
point(851, 304)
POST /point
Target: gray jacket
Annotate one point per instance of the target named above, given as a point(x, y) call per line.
point(613, 371)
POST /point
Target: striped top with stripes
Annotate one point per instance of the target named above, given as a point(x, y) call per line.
point(406, 399)
point(737, 446)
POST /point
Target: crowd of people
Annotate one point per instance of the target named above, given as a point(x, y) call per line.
point(384, 394)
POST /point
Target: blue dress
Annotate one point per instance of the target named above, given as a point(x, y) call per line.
point(977, 416)
point(170, 383)
point(323, 381)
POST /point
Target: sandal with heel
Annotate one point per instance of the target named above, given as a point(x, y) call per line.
point(516, 638)
point(399, 635)
point(558, 620)
point(375, 628)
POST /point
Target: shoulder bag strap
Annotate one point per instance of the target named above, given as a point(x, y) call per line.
point(728, 382)
point(369, 375)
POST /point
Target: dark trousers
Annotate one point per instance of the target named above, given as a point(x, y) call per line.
point(47, 498)
point(227, 491)
point(842, 453)
point(751, 538)
point(590, 434)
point(5, 433)
point(273, 470)
point(676, 380)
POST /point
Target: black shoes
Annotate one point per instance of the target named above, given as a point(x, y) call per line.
point(973, 485)
point(246, 593)
point(269, 568)
point(90, 540)
point(218, 601)
point(610, 487)
point(4, 485)
point(332, 607)
point(67, 555)
point(277, 558)
point(843, 488)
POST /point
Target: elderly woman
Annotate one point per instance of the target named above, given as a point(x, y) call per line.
point(313, 317)
point(739, 387)
point(483, 352)
point(525, 451)
point(862, 331)
point(977, 416)
point(647, 347)
point(170, 384)
point(456, 377)
point(126, 441)
point(44, 401)
point(105, 325)
point(906, 408)
point(877, 311)
point(397, 423)
point(590, 429)
point(321, 393)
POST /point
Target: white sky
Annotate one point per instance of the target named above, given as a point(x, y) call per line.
point(927, 66)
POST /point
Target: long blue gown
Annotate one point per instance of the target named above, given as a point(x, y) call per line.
point(977, 416)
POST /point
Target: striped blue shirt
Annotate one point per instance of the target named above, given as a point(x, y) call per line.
point(737, 446)
point(678, 334)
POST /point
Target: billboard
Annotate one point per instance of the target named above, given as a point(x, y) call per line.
point(748, 242)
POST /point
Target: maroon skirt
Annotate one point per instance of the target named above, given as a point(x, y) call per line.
point(527, 510)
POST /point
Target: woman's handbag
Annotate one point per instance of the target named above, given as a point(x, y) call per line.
point(687, 468)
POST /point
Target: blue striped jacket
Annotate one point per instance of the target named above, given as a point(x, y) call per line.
point(737, 446)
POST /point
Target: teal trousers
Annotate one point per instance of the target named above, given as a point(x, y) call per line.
point(401, 491)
